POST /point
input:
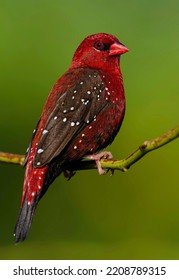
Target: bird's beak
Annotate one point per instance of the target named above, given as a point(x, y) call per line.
point(117, 49)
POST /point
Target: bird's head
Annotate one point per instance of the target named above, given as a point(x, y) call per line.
point(99, 51)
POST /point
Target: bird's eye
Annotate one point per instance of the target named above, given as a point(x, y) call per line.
point(101, 46)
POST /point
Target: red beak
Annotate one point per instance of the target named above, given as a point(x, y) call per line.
point(117, 49)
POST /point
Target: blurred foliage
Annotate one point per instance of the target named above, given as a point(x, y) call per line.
point(133, 215)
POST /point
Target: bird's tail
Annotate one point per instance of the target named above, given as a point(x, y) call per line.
point(34, 188)
point(24, 219)
point(36, 183)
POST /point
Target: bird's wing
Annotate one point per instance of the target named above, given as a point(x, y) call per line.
point(75, 108)
point(29, 147)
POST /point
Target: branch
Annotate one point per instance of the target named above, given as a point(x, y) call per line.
point(11, 158)
point(122, 165)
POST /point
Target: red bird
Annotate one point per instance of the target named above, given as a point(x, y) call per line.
point(82, 115)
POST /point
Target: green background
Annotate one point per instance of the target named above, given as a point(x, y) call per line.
point(133, 215)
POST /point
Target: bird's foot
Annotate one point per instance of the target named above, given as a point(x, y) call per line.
point(68, 174)
point(97, 158)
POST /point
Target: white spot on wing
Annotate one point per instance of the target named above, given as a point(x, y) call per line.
point(72, 123)
point(55, 118)
point(65, 119)
point(39, 151)
point(86, 102)
point(44, 131)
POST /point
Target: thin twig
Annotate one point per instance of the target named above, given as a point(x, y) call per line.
point(11, 158)
point(122, 165)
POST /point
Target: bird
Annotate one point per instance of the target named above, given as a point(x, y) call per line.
point(81, 116)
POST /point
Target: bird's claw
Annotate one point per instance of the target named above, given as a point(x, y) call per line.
point(97, 158)
point(68, 174)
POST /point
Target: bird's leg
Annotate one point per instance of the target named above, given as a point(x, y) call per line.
point(97, 158)
point(68, 174)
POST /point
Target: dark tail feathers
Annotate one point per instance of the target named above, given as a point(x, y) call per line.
point(27, 211)
point(25, 219)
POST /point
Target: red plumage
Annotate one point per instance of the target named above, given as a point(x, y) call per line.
point(81, 116)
